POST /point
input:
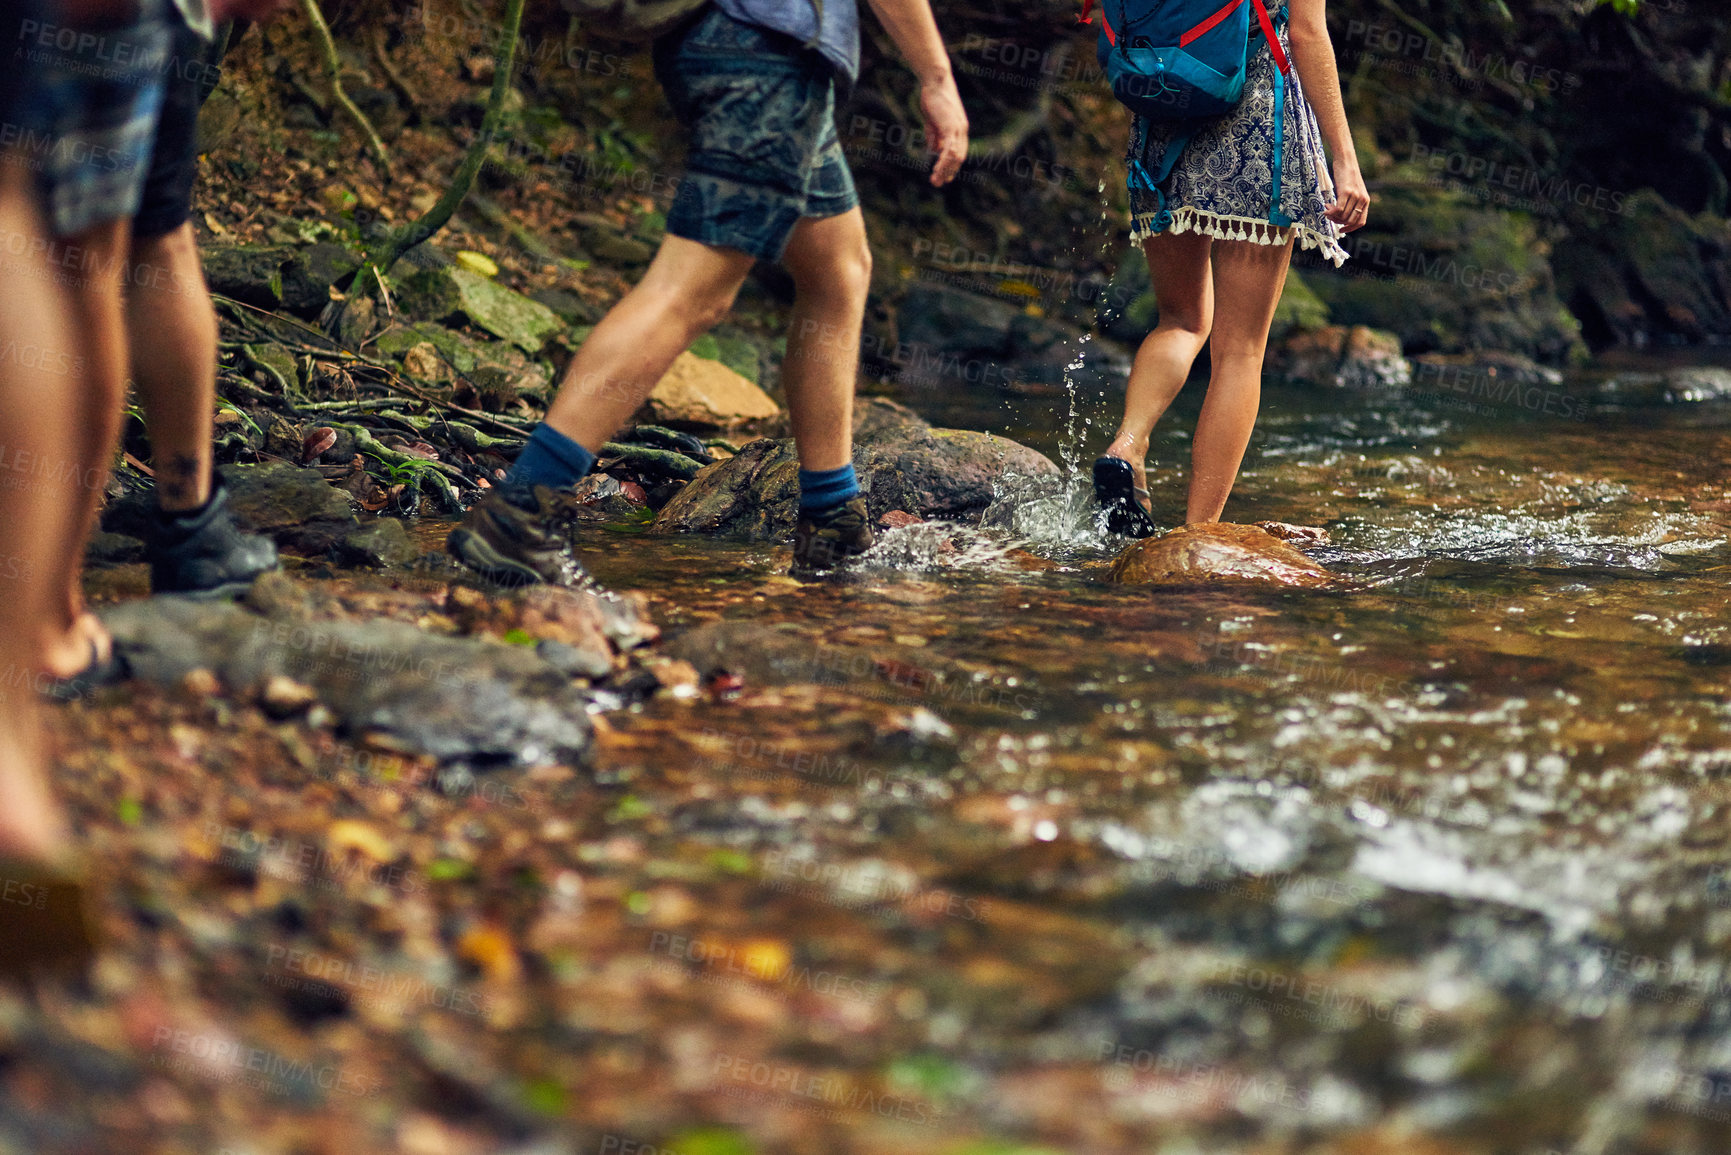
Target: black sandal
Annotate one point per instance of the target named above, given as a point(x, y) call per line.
point(1115, 487)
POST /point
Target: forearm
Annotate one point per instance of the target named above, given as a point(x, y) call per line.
point(1313, 56)
point(915, 31)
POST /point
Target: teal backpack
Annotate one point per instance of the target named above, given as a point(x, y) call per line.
point(1182, 62)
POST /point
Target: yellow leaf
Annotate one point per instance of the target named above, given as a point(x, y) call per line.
point(347, 834)
point(477, 263)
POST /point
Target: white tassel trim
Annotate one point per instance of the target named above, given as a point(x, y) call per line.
point(1225, 228)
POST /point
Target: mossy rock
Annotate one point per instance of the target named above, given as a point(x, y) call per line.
point(1299, 309)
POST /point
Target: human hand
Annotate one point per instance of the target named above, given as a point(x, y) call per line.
point(222, 11)
point(946, 127)
point(1351, 208)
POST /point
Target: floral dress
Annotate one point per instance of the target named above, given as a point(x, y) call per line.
point(1223, 183)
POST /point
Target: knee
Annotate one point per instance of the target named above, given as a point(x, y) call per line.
point(175, 246)
point(845, 275)
point(1193, 324)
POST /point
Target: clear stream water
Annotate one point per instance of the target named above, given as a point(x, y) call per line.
point(1440, 864)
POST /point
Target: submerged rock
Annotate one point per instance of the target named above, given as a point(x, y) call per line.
point(903, 462)
point(1218, 553)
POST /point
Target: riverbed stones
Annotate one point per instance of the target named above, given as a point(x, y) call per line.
point(904, 464)
point(1216, 554)
point(294, 506)
point(698, 393)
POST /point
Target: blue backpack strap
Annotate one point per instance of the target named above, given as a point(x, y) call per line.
point(1282, 65)
point(1139, 176)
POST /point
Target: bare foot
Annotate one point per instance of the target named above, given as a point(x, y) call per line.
point(31, 825)
point(71, 650)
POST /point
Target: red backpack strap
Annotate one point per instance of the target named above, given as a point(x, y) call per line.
point(1207, 25)
point(1087, 9)
point(1280, 60)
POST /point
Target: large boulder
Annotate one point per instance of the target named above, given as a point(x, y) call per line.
point(296, 507)
point(1215, 554)
point(904, 463)
point(1447, 274)
point(698, 393)
point(951, 338)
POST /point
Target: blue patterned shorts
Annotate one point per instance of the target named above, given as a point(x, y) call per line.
point(89, 120)
point(764, 152)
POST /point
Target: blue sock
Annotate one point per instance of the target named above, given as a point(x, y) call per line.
point(822, 488)
point(551, 459)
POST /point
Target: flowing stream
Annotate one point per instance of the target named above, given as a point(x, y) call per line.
point(1439, 864)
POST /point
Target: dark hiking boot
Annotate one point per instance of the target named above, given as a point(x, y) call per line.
point(204, 552)
point(518, 537)
point(824, 538)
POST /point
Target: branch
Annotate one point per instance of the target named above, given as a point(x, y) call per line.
point(420, 230)
point(335, 64)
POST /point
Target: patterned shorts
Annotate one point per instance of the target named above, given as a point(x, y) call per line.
point(89, 121)
point(764, 152)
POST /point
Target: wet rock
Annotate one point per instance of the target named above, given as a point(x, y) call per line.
point(604, 497)
point(295, 506)
point(1212, 554)
point(904, 464)
point(1676, 387)
point(697, 393)
point(1443, 371)
point(451, 698)
point(572, 661)
point(283, 697)
point(1345, 358)
point(379, 543)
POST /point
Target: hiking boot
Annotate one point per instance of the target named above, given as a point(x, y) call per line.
point(519, 536)
point(825, 537)
point(204, 552)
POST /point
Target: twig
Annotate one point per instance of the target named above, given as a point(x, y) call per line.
point(335, 64)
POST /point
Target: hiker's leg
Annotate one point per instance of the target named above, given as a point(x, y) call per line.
point(171, 324)
point(36, 428)
point(1184, 289)
point(1248, 278)
point(831, 264)
point(171, 334)
point(70, 635)
point(688, 288)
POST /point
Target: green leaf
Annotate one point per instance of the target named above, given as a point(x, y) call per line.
point(710, 1141)
point(629, 809)
point(130, 811)
point(637, 903)
point(730, 861)
point(519, 637)
point(545, 1096)
point(706, 347)
point(448, 870)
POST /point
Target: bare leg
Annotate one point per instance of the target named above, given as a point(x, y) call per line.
point(67, 635)
point(1248, 278)
point(171, 332)
point(688, 288)
point(36, 425)
point(831, 265)
point(1178, 267)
